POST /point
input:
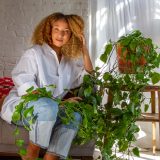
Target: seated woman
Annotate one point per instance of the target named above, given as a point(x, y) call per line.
point(59, 56)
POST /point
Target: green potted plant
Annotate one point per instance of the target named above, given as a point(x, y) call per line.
point(134, 51)
point(111, 124)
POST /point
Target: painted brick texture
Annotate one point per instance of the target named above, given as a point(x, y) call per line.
point(18, 19)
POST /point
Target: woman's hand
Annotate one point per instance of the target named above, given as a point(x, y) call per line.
point(82, 38)
point(35, 92)
point(73, 99)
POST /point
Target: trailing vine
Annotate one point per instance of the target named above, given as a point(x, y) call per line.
point(111, 123)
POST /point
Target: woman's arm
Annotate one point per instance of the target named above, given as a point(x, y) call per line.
point(86, 58)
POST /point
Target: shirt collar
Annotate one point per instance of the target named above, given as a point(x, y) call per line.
point(48, 48)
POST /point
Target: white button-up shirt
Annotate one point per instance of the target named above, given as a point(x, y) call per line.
point(38, 67)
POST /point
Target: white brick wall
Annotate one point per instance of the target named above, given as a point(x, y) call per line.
point(18, 19)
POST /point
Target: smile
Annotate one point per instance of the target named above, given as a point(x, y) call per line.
point(60, 40)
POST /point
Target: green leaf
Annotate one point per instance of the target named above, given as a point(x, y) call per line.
point(86, 78)
point(155, 77)
point(139, 51)
point(123, 146)
point(31, 121)
point(93, 100)
point(146, 106)
point(27, 127)
point(127, 78)
point(19, 107)
point(124, 50)
point(16, 132)
point(108, 48)
point(99, 143)
point(85, 121)
point(97, 68)
point(116, 111)
point(19, 142)
point(136, 151)
point(95, 109)
point(88, 91)
point(125, 95)
point(124, 42)
point(28, 112)
point(16, 116)
point(133, 46)
point(81, 92)
point(23, 152)
point(30, 97)
point(103, 58)
point(140, 76)
point(30, 89)
point(107, 76)
point(106, 53)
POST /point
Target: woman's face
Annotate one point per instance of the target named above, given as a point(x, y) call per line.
point(61, 33)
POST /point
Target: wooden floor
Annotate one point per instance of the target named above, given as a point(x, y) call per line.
point(144, 155)
point(9, 158)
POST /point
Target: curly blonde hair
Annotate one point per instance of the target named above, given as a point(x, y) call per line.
point(43, 33)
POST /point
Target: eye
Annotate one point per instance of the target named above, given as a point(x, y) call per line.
point(55, 29)
point(67, 31)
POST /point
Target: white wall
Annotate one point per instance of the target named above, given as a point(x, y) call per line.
point(18, 19)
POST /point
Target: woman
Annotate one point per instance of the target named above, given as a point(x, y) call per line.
point(59, 56)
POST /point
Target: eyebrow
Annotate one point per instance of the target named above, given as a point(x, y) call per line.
point(58, 26)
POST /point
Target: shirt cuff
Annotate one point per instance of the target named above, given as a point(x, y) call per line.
point(22, 89)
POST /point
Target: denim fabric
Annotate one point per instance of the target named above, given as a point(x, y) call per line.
point(46, 111)
point(63, 135)
point(48, 131)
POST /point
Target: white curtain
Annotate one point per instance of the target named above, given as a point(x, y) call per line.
point(110, 19)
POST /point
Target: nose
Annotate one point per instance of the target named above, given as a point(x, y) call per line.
point(61, 34)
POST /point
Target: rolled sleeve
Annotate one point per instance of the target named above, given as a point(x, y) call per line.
point(22, 89)
point(24, 73)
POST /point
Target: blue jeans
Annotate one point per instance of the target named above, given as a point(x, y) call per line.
point(48, 131)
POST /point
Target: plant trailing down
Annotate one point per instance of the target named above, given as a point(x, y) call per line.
point(111, 124)
point(134, 51)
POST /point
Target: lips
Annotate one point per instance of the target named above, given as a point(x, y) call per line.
point(59, 40)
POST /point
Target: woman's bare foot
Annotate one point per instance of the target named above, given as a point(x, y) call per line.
point(32, 152)
point(49, 156)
